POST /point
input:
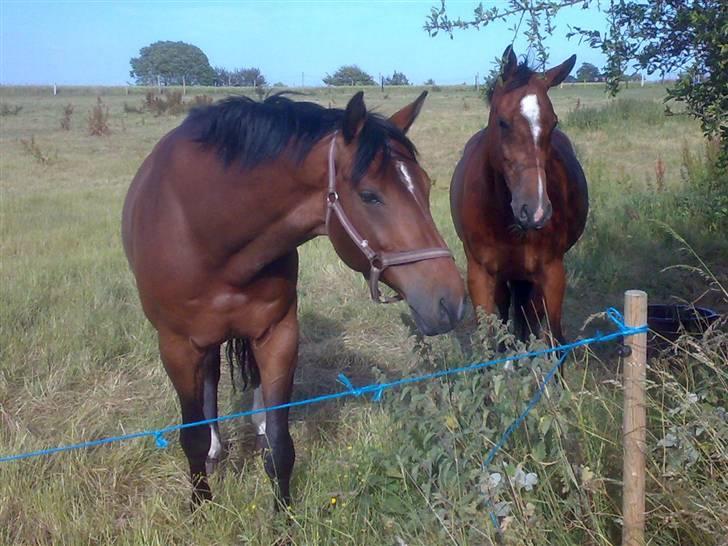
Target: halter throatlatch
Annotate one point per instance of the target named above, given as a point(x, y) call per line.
point(378, 261)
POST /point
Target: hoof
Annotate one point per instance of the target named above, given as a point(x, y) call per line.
point(199, 498)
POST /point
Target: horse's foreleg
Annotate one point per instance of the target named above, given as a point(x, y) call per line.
point(482, 287)
point(276, 354)
point(184, 365)
point(552, 288)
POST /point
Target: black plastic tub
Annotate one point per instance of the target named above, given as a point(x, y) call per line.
point(670, 320)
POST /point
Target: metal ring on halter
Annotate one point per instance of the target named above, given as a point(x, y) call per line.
point(378, 262)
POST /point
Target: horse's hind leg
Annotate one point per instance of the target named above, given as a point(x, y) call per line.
point(276, 355)
point(211, 370)
point(184, 365)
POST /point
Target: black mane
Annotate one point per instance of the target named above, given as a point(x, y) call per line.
point(252, 132)
point(520, 77)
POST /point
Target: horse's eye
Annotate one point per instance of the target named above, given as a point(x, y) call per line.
point(503, 124)
point(370, 198)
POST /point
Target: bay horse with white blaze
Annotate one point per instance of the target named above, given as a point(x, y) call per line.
point(211, 225)
point(519, 201)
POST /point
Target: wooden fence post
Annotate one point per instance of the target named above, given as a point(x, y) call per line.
point(635, 422)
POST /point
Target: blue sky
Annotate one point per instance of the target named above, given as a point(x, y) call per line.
point(88, 42)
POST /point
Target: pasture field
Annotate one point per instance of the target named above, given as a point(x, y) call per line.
point(78, 360)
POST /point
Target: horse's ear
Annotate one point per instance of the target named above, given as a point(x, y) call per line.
point(407, 115)
point(509, 63)
point(554, 76)
point(354, 115)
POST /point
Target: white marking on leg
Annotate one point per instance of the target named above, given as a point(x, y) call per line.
point(530, 111)
point(406, 178)
point(215, 444)
point(258, 418)
point(209, 409)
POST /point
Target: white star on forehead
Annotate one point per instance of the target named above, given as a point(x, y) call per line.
point(530, 111)
point(406, 178)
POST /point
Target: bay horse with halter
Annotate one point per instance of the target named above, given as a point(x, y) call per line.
point(519, 201)
point(211, 226)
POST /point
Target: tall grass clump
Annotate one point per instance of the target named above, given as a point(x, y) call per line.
point(170, 103)
point(623, 216)
point(66, 119)
point(132, 109)
point(9, 109)
point(98, 119)
point(42, 156)
point(633, 111)
point(202, 100)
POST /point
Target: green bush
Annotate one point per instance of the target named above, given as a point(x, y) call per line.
point(561, 469)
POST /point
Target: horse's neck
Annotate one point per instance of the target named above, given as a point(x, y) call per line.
point(270, 211)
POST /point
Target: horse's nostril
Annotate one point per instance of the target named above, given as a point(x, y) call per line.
point(444, 313)
point(450, 315)
point(524, 212)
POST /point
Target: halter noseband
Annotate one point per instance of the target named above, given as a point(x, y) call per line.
point(378, 261)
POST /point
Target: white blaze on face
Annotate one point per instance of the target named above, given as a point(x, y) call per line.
point(530, 110)
point(406, 177)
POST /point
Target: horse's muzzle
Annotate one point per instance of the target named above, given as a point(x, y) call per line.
point(436, 316)
point(528, 218)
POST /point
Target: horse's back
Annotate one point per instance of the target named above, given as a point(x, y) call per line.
point(576, 186)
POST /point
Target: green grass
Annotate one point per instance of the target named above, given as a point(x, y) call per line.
point(78, 360)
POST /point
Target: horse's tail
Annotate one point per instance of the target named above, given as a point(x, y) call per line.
point(239, 354)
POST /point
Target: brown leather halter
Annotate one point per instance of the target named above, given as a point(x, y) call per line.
point(378, 261)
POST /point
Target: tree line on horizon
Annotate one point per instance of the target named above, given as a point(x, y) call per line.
point(167, 63)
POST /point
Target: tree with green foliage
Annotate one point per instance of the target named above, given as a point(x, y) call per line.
point(250, 77)
point(172, 63)
point(349, 75)
point(587, 72)
point(398, 78)
point(239, 77)
point(664, 37)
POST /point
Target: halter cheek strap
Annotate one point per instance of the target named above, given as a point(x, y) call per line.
point(378, 261)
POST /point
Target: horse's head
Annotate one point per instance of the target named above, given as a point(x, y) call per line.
point(521, 121)
point(381, 191)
